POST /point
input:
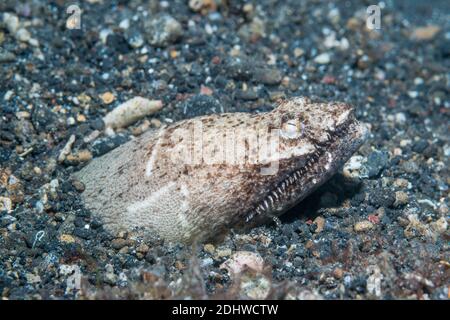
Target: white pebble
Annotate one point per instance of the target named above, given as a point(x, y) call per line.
point(124, 24)
point(131, 111)
point(413, 94)
point(400, 118)
point(11, 21)
point(242, 260)
point(323, 58)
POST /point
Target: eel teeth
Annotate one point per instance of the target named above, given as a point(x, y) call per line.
point(275, 194)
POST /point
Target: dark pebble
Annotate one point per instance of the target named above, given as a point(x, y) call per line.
point(247, 95)
point(7, 220)
point(199, 105)
point(382, 198)
point(420, 146)
point(118, 43)
point(97, 124)
point(95, 224)
point(83, 233)
point(376, 162)
point(267, 76)
point(6, 56)
point(297, 262)
point(239, 69)
point(358, 199)
point(150, 257)
point(102, 146)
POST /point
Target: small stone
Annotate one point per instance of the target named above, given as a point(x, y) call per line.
point(6, 220)
point(400, 118)
point(67, 149)
point(102, 146)
point(405, 142)
point(446, 150)
point(156, 123)
point(247, 95)
point(363, 226)
point(415, 227)
point(243, 260)
point(206, 262)
point(122, 234)
point(425, 33)
point(39, 206)
point(401, 183)
point(131, 111)
point(71, 121)
point(440, 225)
point(338, 273)
point(352, 168)
point(66, 238)
point(199, 105)
point(141, 128)
point(78, 185)
point(253, 30)
point(32, 278)
point(81, 118)
point(23, 35)
point(107, 97)
point(443, 209)
point(202, 6)
point(267, 76)
point(109, 276)
point(255, 287)
point(298, 52)
point(376, 162)
point(79, 157)
point(174, 53)
point(413, 94)
point(124, 250)
point(124, 24)
point(6, 56)
point(410, 166)
point(420, 146)
point(117, 43)
point(248, 8)
point(401, 198)
point(381, 198)
point(179, 265)
point(8, 95)
point(206, 90)
point(320, 223)
point(143, 248)
point(323, 58)
point(118, 243)
point(223, 253)
point(162, 30)
point(150, 257)
point(5, 204)
point(82, 233)
point(276, 95)
point(11, 21)
point(209, 248)
point(134, 38)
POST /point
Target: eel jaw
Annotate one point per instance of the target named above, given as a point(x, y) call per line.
point(300, 182)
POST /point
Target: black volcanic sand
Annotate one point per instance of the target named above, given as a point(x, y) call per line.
point(377, 231)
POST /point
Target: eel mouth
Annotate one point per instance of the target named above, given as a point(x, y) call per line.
point(298, 183)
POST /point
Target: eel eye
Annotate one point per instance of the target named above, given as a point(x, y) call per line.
point(292, 129)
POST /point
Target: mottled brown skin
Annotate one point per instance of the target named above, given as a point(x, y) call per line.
point(138, 186)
